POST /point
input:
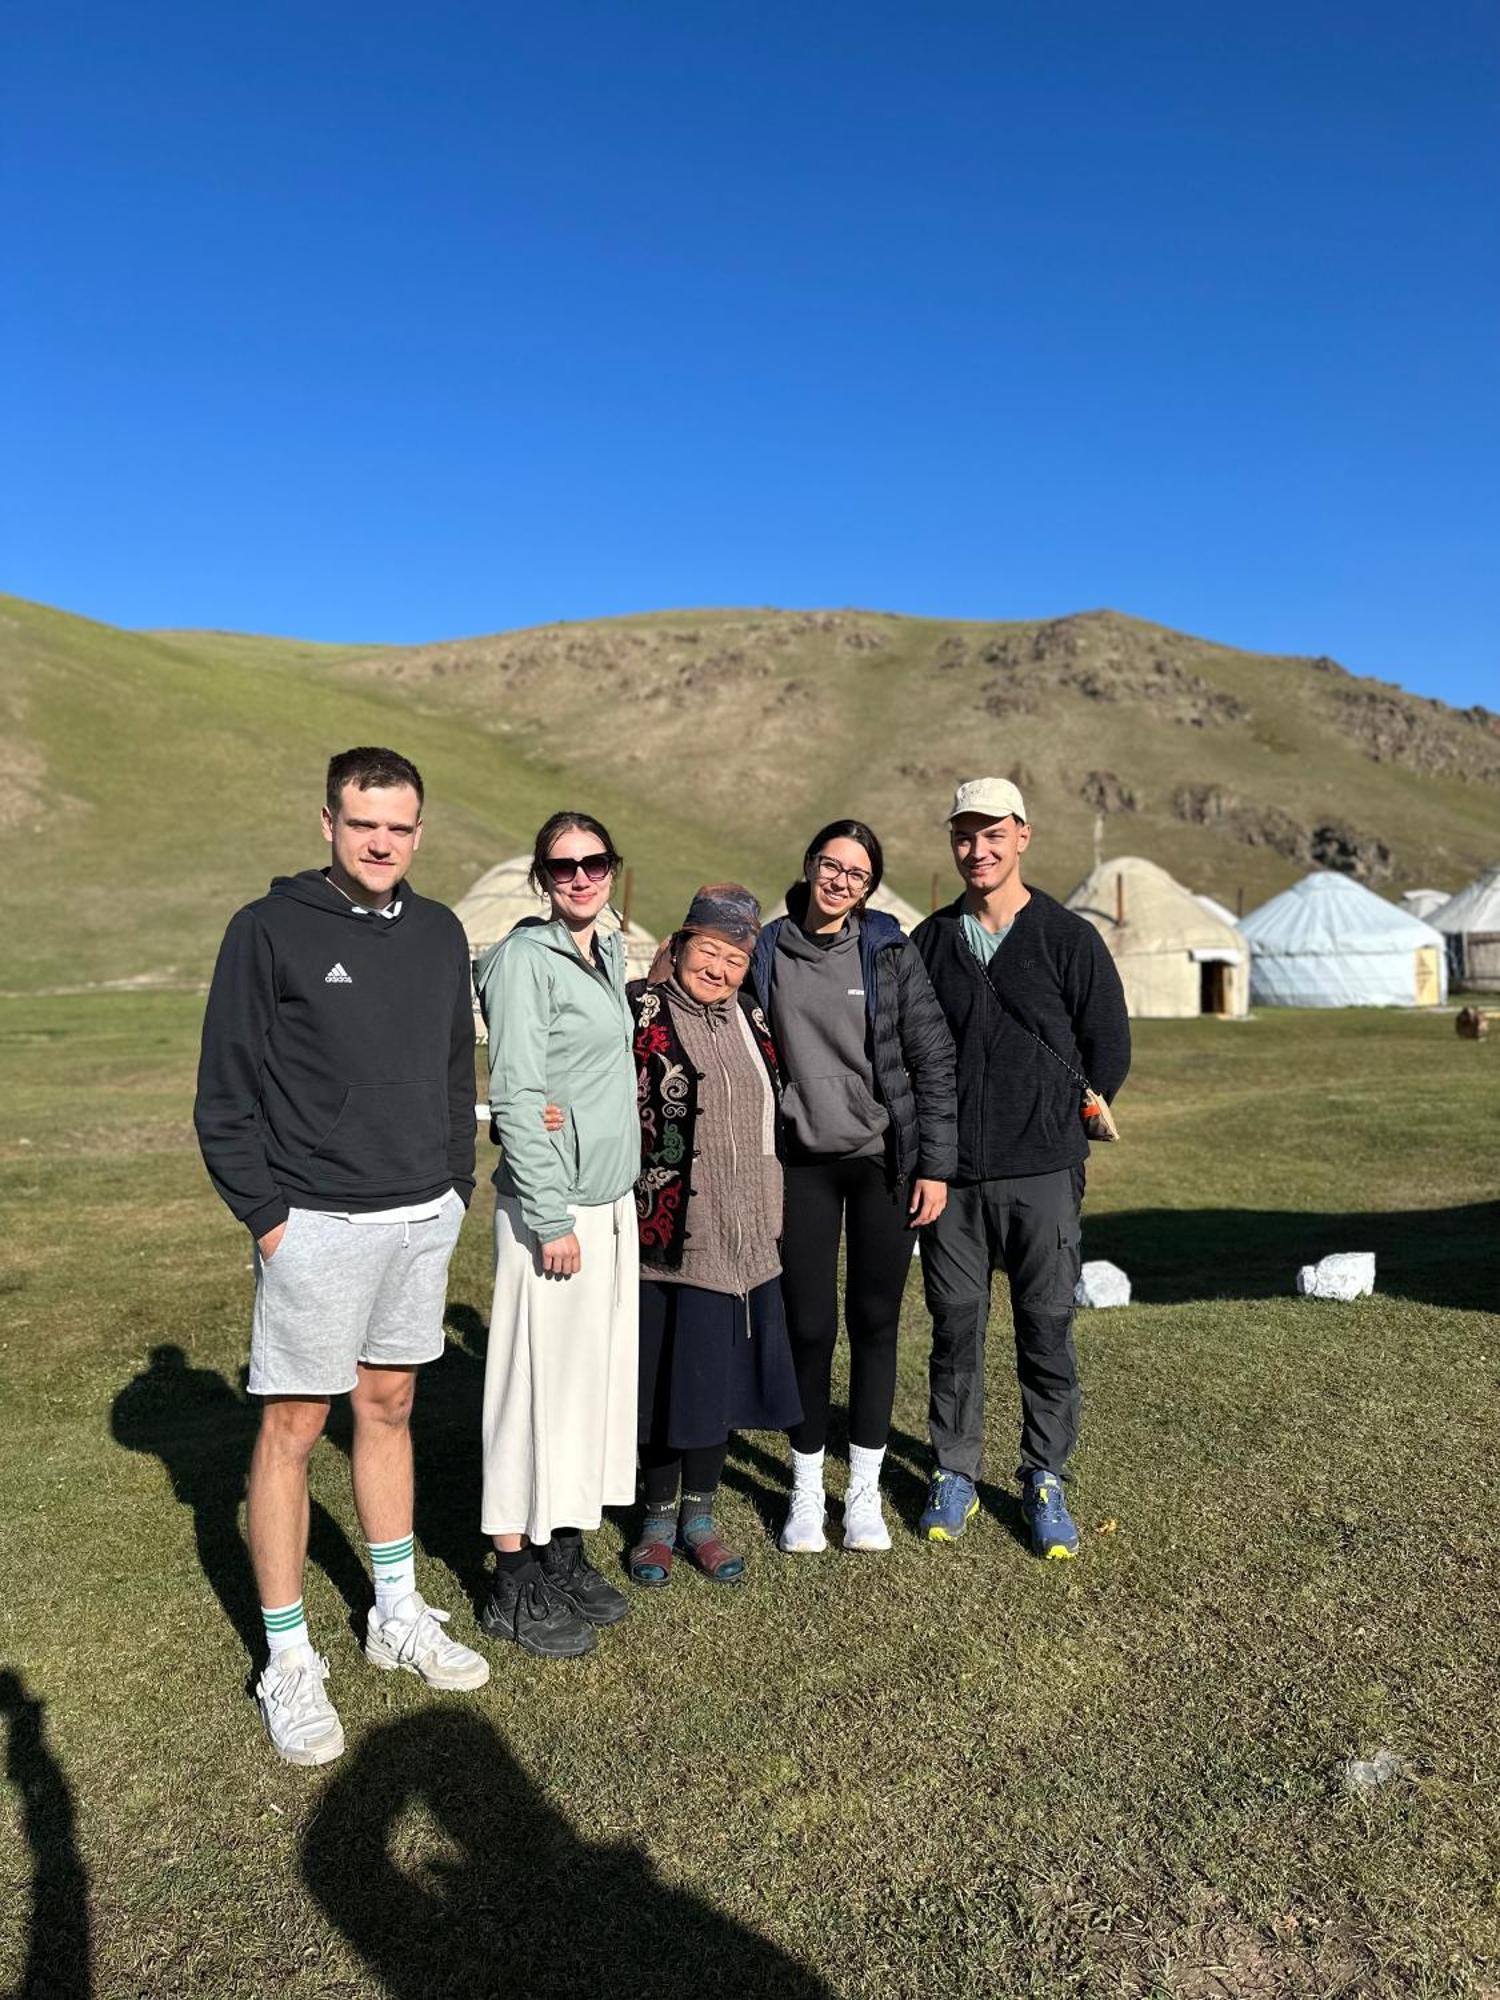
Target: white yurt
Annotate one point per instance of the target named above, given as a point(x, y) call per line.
point(1330, 942)
point(1470, 921)
point(884, 898)
point(1174, 956)
point(1422, 902)
point(492, 907)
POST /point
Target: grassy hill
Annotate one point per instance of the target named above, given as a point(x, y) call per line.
point(157, 780)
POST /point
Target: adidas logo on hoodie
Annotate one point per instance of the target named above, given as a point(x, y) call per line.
point(336, 976)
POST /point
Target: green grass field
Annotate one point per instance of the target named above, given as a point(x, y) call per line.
point(943, 1772)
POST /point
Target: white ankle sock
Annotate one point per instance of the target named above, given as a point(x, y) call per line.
point(864, 1464)
point(807, 1471)
point(286, 1626)
point(394, 1566)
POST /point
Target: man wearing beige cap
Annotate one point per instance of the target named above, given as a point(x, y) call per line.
point(1036, 1011)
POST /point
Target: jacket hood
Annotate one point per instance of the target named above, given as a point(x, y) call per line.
point(549, 934)
point(313, 887)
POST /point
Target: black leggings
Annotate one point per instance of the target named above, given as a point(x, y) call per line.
point(699, 1469)
point(823, 1195)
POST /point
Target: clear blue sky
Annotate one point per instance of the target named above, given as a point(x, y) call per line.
point(397, 322)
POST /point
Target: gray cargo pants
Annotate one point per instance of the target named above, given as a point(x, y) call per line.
point(1029, 1228)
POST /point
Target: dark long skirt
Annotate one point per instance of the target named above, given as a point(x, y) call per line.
point(712, 1363)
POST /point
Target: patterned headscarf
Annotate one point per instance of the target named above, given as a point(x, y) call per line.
point(720, 909)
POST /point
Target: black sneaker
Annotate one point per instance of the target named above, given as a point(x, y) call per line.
point(574, 1577)
point(524, 1608)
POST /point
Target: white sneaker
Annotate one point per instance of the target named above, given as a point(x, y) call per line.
point(864, 1523)
point(298, 1715)
point(412, 1638)
point(802, 1533)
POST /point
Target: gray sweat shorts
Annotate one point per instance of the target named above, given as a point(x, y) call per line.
point(336, 1293)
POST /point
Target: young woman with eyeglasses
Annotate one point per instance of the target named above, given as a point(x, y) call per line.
point(559, 1422)
point(869, 1112)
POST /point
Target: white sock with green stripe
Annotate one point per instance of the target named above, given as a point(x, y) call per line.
point(395, 1569)
point(286, 1627)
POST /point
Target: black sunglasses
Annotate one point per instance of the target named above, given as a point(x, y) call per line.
point(595, 866)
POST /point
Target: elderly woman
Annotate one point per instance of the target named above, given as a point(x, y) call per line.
point(560, 1374)
point(714, 1353)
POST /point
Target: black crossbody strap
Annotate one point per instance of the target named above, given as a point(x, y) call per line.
point(989, 987)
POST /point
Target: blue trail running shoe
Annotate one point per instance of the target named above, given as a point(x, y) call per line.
point(952, 1504)
point(1054, 1534)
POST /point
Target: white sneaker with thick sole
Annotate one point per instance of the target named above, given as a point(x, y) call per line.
point(802, 1533)
point(299, 1718)
point(864, 1523)
point(412, 1638)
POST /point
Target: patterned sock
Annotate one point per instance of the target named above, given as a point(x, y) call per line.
point(660, 1524)
point(864, 1464)
point(395, 1569)
point(695, 1518)
point(285, 1627)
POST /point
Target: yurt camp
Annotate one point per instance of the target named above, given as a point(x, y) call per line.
point(883, 898)
point(1174, 956)
point(1330, 942)
point(492, 907)
point(1470, 921)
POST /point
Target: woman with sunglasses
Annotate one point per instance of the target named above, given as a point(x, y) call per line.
point(560, 1375)
point(871, 1142)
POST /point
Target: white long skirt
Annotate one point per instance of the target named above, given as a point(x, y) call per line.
point(560, 1376)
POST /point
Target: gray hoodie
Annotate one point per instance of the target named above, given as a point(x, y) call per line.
point(817, 1011)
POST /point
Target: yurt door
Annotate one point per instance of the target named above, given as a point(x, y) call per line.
point(1429, 990)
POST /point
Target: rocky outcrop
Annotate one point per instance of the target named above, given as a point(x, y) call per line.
point(1107, 793)
point(1328, 844)
point(1393, 727)
point(1103, 660)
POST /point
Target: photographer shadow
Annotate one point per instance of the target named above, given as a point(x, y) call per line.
point(58, 1938)
point(508, 1902)
point(202, 1430)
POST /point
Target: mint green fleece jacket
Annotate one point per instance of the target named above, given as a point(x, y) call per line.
point(560, 1032)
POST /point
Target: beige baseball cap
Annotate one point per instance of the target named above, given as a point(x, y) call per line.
point(996, 798)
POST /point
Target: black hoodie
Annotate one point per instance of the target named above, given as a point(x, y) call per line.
point(337, 1069)
point(1018, 1108)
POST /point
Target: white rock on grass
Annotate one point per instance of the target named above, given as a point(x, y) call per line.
point(1101, 1284)
point(1363, 1775)
point(1347, 1274)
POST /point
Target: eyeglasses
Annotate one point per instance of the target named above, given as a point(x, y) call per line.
point(566, 868)
point(831, 870)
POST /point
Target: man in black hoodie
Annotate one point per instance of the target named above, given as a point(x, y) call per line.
point(335, 1112)
point(1036, 1009)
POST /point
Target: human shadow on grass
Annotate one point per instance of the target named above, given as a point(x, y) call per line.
point(509, 1902)
point(449, 1451)
point(202, 1430)
point(58, 1934)
point(1436, 1256)
point(762, 1477)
